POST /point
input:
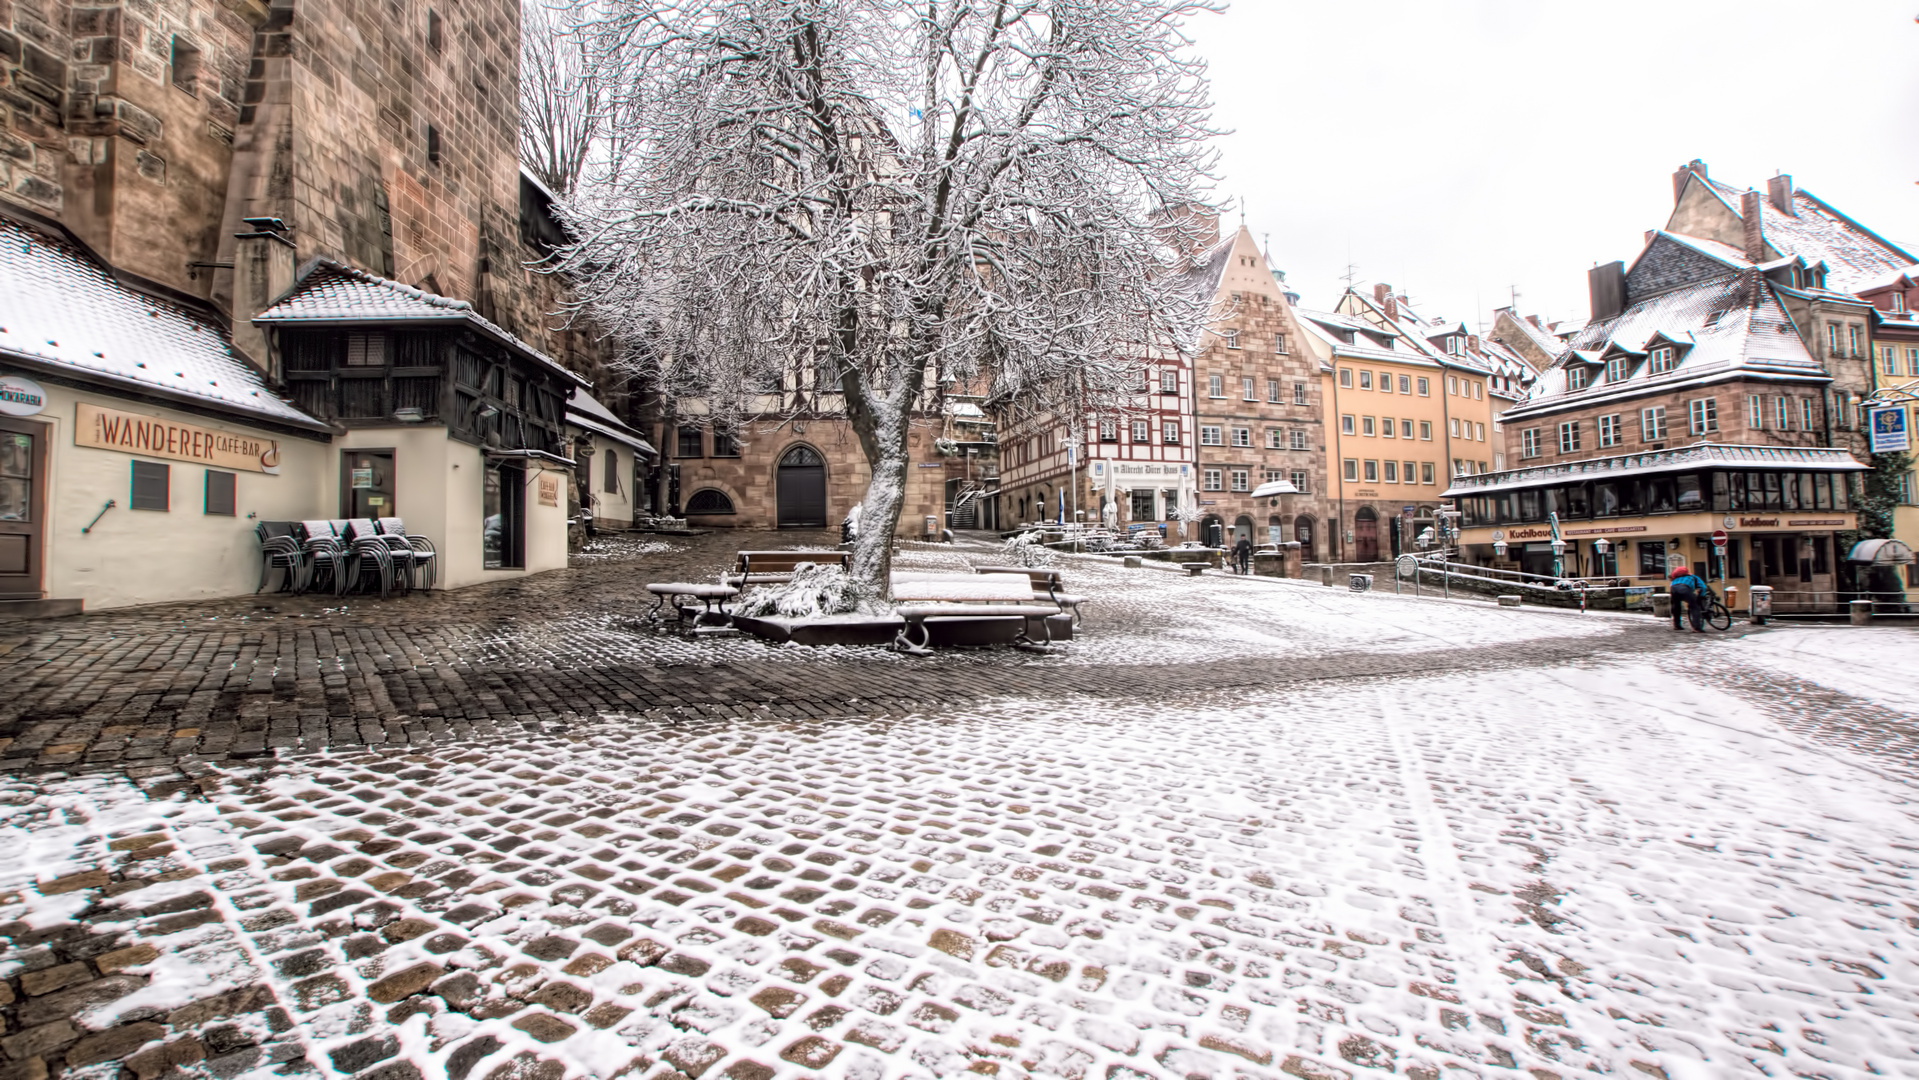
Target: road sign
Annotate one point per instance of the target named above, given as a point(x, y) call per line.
point(1719, 539)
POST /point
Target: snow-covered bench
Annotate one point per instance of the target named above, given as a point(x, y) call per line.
point(1046, 583)
point(776, 567)
point(953, 598)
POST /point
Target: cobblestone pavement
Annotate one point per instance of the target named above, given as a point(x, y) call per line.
point(1377, 836)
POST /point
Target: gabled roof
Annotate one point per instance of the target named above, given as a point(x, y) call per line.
point(1817, 232)
point(1416, 332)
point(1907, 274)
point(583, 410)
point(330, 293)
point(1728, 327)
point(63, 314)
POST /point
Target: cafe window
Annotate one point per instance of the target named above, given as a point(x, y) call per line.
point(1652, 558)
point(689, 443)
point(220, 498)
point(1822, 555)
point(150, 486)
point(503, 518)
point(1689, 495)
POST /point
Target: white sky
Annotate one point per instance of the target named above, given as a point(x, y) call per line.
point(1455, 148)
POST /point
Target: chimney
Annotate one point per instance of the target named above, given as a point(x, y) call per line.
point(1650, 233)
point(1779, 194)
point(1534, 319)
point(1383, 296)
point(1755, 227)
point(1608, 288)
point(262, 273)
point(1472, 342)
point(1684, 171)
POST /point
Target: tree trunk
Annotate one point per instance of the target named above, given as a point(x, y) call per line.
point(872, 562)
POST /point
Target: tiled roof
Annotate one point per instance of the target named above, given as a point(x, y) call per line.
point(1725, 327)
point(330, 293)
point(61, 309)
point(584, 410)
point(1818, 233)
point(1701, 455)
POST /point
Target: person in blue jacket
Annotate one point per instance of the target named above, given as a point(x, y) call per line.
point(1691, 590)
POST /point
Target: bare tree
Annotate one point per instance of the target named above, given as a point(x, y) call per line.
point(843, 204)
point(561, 100)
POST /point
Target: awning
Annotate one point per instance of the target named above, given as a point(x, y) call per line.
point(598, 427)
point(1881, 553)
point(1274, 487)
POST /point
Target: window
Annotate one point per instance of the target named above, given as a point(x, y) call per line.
point(827, 374)
point(1346, 424)
point(1346, 377)
point(1299, 388)
point(433, 144)
point(1426, 430)
point(1372, 472)
point(1211, 479)
point(1805, 414)
point(1169, 432)
point(1832, 339)
point(1755, 412)
point(1169, 381)
point(1241, 479)
point(1652, 424)
point(1452, 427)
point(1898, 303)
point(1365, 380)
point(1142, 432)
point(1617, 369)
point(1279, 343)
point(610, 476)
point(1349, 470)
point(1852, 335)
point(1406, 472)
point(1459, 467)
point(1272, 391)
point(1273, 476)
point(1385, 382)
point(1108, 430)
point(435, 36)
point(1242, 436)
point(1209, 435)
point(1703, 415)
point(1889, 360)
point(1246, 390)
point(1298, 440)
point(1529, 442)
point(725, 445)
point(1609, 430)
point(1912, 359)
point(503, 517)
point(1215, 386)
point(688, 445)
point(1366, 425)
point(150, 491)
point(1425, 388)
point(220, 493)
point(1452, 386)
point(1405, 384)
point(1405, 429)
point(365, 350)
point(1663, 360)
point(1298, 478)
point(1652, 558)
point(1275, 439)
point(186, 65)
point(1576, 377)
point(709, 501)
point(1392, 472)
point(1569, 437)
point(1425, 472)
point(1479, 390)
point(1232, 339)
point(1386, 426)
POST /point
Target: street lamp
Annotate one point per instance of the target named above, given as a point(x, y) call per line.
point(1559, 563)
point(1499, 549)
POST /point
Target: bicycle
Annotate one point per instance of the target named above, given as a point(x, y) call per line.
point(1717, 615)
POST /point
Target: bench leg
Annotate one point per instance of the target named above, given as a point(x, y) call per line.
point(903, 641)
point(659, 601)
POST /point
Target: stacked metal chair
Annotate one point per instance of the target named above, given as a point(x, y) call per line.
point(415, 555)
point(280, 549)
point(366, 552)
point(324, 555)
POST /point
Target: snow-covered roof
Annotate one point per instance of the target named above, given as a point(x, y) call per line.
point(1729, 326)
point(1907, 274)
point(61, 312)
point(330, 293)
point(583, 410)
point(1416, 332)
point(1702, 455)
point(1816, 232)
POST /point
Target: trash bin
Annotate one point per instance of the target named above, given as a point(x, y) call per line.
point(1761, 604)
point(1360, 582)
point(1860, 612)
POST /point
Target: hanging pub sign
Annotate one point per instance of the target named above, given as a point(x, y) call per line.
point(150, 436)
point(1887, 425)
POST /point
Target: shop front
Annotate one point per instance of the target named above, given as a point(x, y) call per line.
point(1738, 515)
point(1145, 495)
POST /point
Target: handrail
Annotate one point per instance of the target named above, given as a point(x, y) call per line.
point(96, 518)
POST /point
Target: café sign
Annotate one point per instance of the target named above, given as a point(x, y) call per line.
point(151, 436)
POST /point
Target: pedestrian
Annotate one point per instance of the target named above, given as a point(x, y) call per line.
point(1691, 590)
point(1243, 555)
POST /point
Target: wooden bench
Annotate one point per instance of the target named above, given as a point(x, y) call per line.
point(954, 598)
point(1046, 583)
point(776, 567)
point(709, 595)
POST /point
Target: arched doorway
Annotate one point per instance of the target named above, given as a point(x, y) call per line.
point(801, 489)
point(1303, 532)
point(1365, 535)
point(1243, 526)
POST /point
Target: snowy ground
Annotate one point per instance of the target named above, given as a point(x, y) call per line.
point(1691, 863)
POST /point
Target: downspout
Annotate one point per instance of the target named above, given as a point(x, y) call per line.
point(1446, 414)
point(1339, 456)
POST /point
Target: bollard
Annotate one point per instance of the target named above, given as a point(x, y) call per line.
point(1662, 605)
point(1861, 611)
point(1133, 562)
point(1326, 576)
point(1760, 604)
point(1509, 600)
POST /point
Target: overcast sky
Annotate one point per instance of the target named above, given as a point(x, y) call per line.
point(1456, 149)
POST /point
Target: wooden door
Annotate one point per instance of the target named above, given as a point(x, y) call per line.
point(801, 498)
point(23, 507)
point(1365, 536)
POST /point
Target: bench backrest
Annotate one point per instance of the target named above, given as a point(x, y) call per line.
point(985, 588)
point(783, 562)
point(1037, 575)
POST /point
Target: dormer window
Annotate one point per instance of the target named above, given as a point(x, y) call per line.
point(1617, 369)
point(1664, 359)
point(1576, 377)
point(1456, 346)
point(1898, 303)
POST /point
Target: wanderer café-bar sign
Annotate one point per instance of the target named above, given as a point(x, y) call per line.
point(150, 436)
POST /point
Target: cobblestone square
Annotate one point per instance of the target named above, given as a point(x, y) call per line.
point(1237, 828)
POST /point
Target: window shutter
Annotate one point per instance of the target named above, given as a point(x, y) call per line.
point(220, 493)
point(149, 486)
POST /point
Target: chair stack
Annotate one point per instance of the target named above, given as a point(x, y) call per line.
point(412, 555)
point(342, 555)
point(280, 549)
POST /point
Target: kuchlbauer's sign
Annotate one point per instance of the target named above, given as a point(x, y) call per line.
point(150, 436)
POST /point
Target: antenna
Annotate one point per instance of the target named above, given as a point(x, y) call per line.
point(1351, 275)
point(1515, 292)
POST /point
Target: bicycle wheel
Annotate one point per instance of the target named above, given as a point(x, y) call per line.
point(1718, 617)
